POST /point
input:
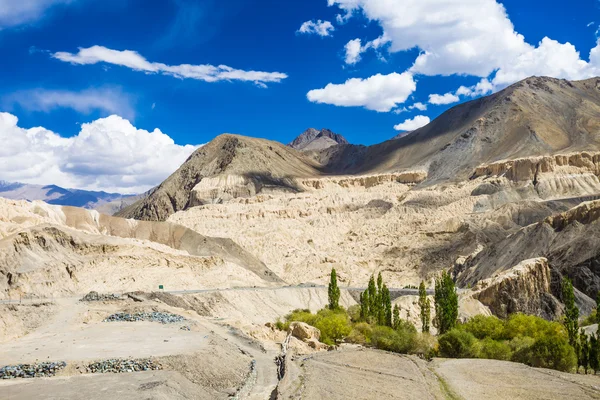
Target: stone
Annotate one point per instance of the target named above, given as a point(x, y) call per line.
point(303, 331)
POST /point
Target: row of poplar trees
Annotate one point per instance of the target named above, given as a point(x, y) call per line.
point(587, 347)
point(376, 304)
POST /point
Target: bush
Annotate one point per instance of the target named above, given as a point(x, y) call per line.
point(494, 350)
point(424, 345)
point(354, 313)
point(552, 351)
point(301, 316)
point(282, 326)
point(484, 327)
point(334, 325)
point(520, 342)
point(361, 334)
point(386, 338)
point(590, 319)
point(457, 344)
point(531, 326)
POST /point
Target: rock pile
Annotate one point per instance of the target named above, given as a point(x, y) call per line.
point(31, 370)
point(95, 296)
point(155, 316)
point(118, 366)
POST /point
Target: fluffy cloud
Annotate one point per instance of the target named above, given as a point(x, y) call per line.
point(353, 50)
point(379, 92)
point(16, 12)
point(412, 124)
point(107, 100)
point(457, 37)
point(135, 61)
point(108, 154)
point(321, 28)
point(447, 98)
point(550, 58)
point(469, 37)
point(419, 106)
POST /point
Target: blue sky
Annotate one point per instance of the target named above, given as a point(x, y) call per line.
point(63, 65)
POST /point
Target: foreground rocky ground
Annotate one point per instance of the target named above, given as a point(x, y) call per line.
point(215, 361)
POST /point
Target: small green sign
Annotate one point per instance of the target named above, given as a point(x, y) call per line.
point(161, 287)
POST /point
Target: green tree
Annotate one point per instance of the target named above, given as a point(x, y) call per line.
point(446, 303)
point(333, 291)
point(373, 302)
point(425, 306)
point(598, 307)
point(571, 311)
point(364, 305)
point(583, 358)
point(594, 353)
point(396, 317)
point(386, 306)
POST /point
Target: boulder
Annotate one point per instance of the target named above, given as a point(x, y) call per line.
point(303, 331)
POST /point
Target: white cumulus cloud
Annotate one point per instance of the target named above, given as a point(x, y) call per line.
point(470, 37)
point(419, 106)
point(321, 28)
point(447, 98)
point(132, 59)
point(109, 100)
point(412, 124)
point(353, 50)
point(378, 92)
point(107, 154)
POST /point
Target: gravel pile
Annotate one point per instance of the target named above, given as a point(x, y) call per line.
point(118, 366)
point(95, 296)
point(31, 370)
point(163, 318)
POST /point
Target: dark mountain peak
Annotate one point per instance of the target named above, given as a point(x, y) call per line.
point(313, 139)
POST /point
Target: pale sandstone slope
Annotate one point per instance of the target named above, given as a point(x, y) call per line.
point(52, 250)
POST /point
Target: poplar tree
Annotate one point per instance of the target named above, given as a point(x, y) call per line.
point(333, 291)
point(571, 319)
point(373, 302)
point(386, 306)
point(446, 303)
point(584, 352)
point(396, 317)
point(594, 353)
point(425, 306)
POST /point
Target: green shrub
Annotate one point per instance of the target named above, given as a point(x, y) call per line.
point(361, 334)
point(334, 325)
point(282, 326)
point(494, 349)
point(590, 319)
point(423, 345)
point(386, 338)
point(457, 344)
point(520, 342)
point(484, 327)
point(302, 316)
point(531, 326)
point(354, 313)
point(552, 351)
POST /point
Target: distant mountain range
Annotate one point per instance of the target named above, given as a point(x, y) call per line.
point(57, 195)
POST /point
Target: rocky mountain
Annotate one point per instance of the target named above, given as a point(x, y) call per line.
point(537, 116)
point(57, 195)
point(315, 140)
point(230, 166)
